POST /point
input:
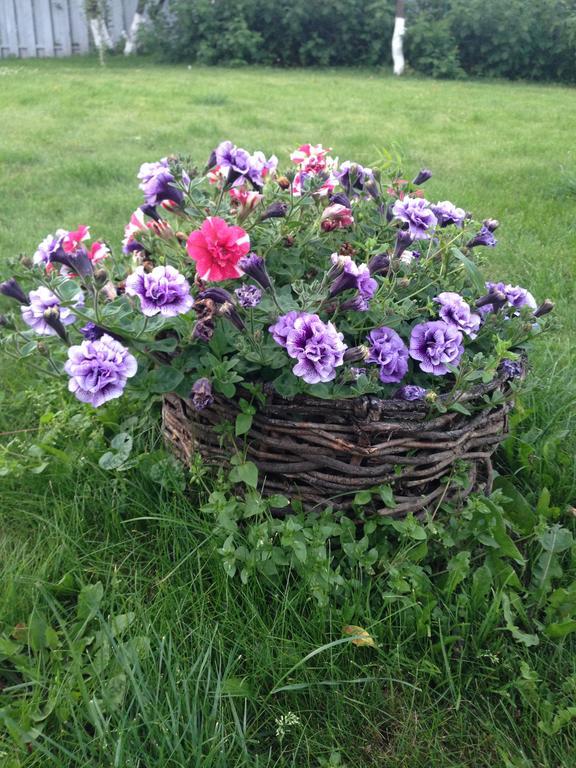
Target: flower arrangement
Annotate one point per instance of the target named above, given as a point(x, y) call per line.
point(329, 279)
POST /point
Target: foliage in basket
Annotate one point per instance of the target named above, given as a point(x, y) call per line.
point(325, 280)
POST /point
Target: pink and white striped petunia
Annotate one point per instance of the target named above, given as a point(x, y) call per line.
point(72, 240)
point(217, 248)
point(311, 159)
point(98, 252)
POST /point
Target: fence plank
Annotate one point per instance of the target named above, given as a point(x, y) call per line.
point(61, 22)
point(43, 27)
point(115, 20)
point(8, 29)
point(25, 22)
point(79, 24)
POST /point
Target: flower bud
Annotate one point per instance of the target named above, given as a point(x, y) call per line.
point(100, 277)
point(228, 310)
point(491, 224)
point(283, 182)
point(42, 349)
point(340, 199)
point(379, 264)
point(276, 210)
point(51, 317)
point(289, 241)
point(12, 289)
point(26, 262)
point(255, 267)
point(423, 175)
point(403, 240)
point(544, 308)
point(356, 354)
point(496, 298)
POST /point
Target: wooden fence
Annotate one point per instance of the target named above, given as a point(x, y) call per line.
point(39, 28)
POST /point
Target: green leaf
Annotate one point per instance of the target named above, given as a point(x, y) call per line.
point(246, 473)
point(89, 600)
point(37, 627)
point(243, 423)
point(362, 497)
point(560, 629)
point(114, 459)
point(556, 539)
point(521, 637)
point(165, 379)
point(387, 496)
point(472, 269)
point(120, 623)
point(517, 510)
point(278, 502)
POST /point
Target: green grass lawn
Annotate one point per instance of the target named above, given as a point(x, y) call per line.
point(72, 138)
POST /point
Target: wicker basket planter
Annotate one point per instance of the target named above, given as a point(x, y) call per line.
point(324, 451)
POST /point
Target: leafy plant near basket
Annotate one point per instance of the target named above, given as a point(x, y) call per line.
point(325, 332)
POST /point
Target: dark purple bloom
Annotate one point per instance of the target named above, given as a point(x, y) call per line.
point(283, 325)
point(388, 351)
point(353, 177)
point(352, 276)
point(248, 296)
point(150, 210)
point(201, 394)
point(513, 369)
point(410, 392)
point(204, 329)
point(455, 311)
point(52, 320)
point(447, 213)
point(75, 263)
point(276, 210)
point(157, 183)
point(484, 237)
point(422, 176)
point(99, 370)
point(238, 165)
point(516, 296)
point(355, 304)
point(11, 288)
point(416, 212)
point(340, 199)
point(255, 267)
point(317, 346)
point(41, 300)
point(219, 295)
point(162, 291)
point(91, 331)
point(435, 345)
point(379, 264)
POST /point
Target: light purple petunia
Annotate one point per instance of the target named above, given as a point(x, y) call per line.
point(157, 183)
point(248, 296)
point(447, 213)
point(516, 296)
point(283, 325)
point(417, 213)
point(317, 346)
point(99, 370)
point(388, 351)
point(436, 345)
point(485, 237)
point(42, 299)
point(352, 276)
point(48, 247)
point(410, 392)
point(455, 311)
point(162, 291)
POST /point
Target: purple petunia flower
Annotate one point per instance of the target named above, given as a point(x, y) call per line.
point(435, 345)
point(201, 394)
point(11, 288)
point(162, 291)
point(317, 346)
point(513, 369)
point(248, 296)
point(99, 370)
point(42, 299)
point(255, 266)
point(484, 237)
point(389, 352)
point(157, 183)
point(447, 213)
point(283, 326)
point(352, 276)
point(455, 311)
point(416, 212)
point(422, 176)
point(239, 166)
point(516, 296)
point(410, 392)
point(48, 247)
point(353, 177)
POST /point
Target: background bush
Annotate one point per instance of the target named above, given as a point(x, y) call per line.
point(516, 39)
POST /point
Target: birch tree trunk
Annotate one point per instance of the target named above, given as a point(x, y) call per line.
point(398, 38)
point(96, 13)
point(137, 21)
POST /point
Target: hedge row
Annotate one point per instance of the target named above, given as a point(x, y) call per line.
point(528, 39)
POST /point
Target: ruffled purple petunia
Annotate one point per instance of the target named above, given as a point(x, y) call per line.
point(317, 346)
point(435, 345)
point(240, 166)
point(157, 183)
point(248, 296)
point(42, 299)
point(354, 177)
point(447, 213)
point(485, 237)
point(516, 296)
point(99, 370)
point(455, 311)
point(162, 291)
point(410, 392)
point(283, 325)
point(417, 213)
point(48, 247)
point(388, 351)
point(352, 276)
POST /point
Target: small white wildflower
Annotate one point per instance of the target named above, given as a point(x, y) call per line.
point(285, 723)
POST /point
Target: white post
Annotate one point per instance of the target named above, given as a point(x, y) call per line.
point(398, 38)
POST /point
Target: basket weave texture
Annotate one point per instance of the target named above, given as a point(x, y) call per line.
point(323, 452)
